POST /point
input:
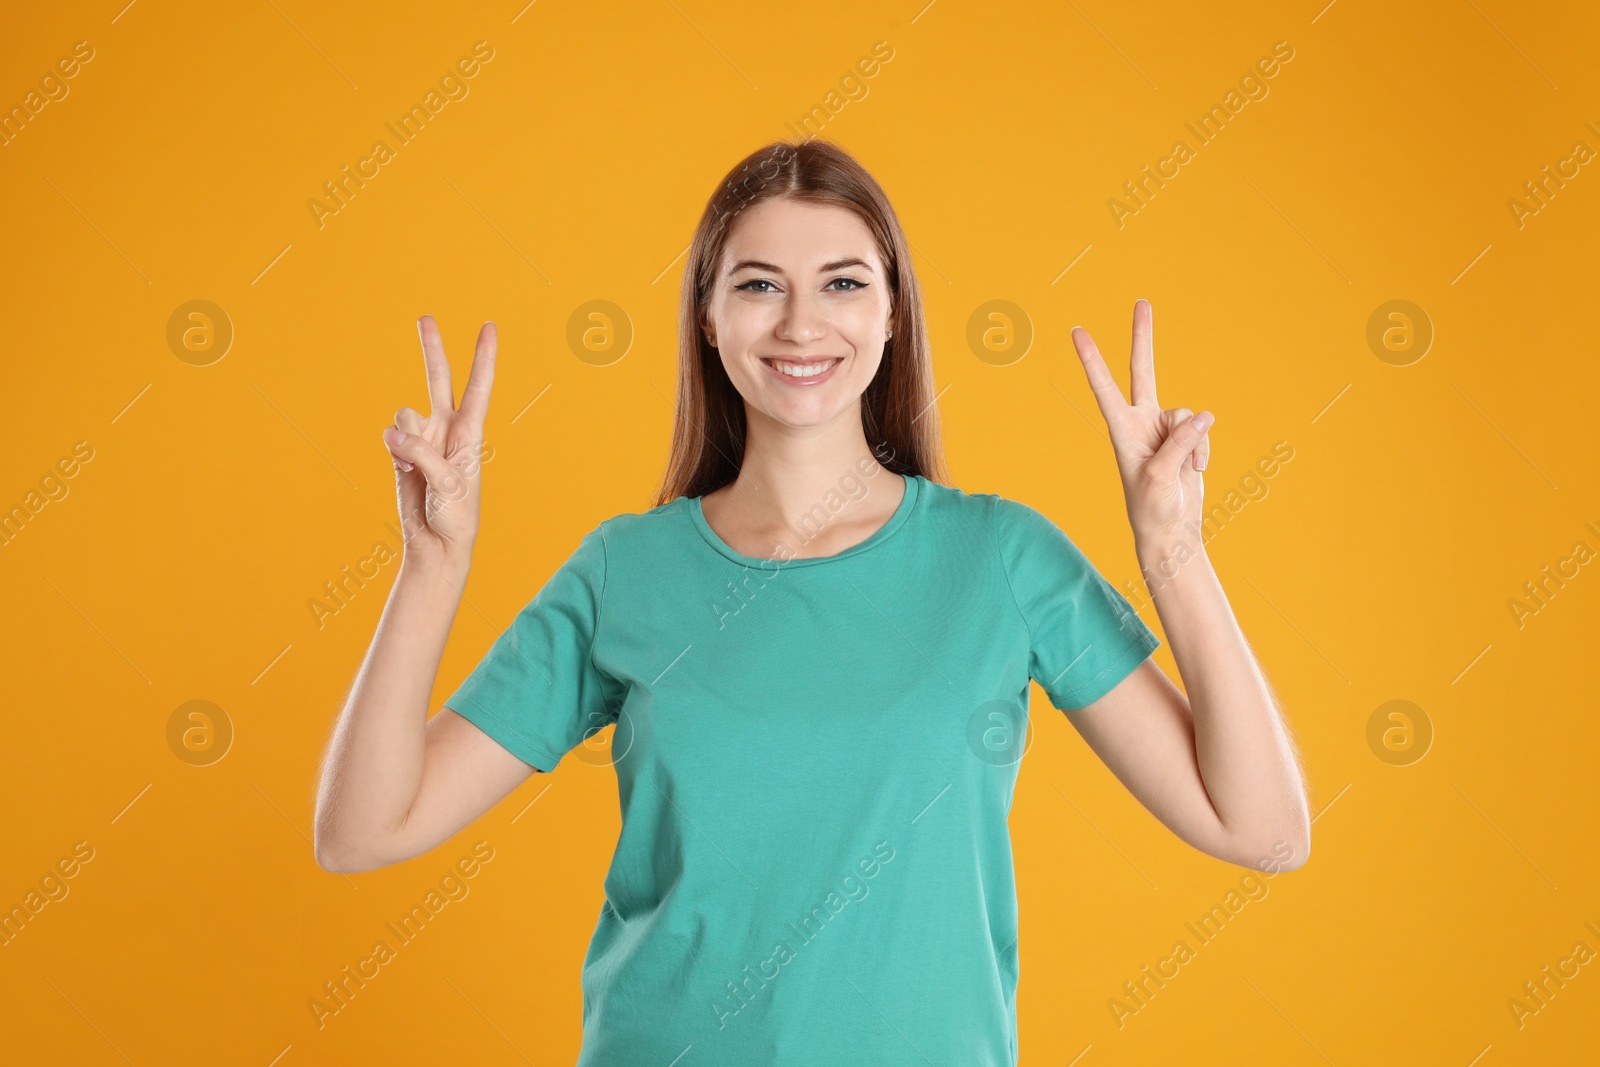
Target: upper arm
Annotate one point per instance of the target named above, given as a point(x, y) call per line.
point(465, 772)
point(1143, 730)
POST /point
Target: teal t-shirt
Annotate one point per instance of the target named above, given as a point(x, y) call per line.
point(815, 759)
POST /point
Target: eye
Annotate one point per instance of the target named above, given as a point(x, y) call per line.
point(852, 281)
point(746, 286)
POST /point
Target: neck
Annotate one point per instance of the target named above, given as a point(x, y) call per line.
point(792, 476)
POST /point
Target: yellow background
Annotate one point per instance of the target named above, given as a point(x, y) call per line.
point(1379, 566)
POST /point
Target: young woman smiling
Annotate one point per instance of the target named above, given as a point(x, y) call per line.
point(865, 712)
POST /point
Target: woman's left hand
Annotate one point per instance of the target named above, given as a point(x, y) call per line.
point(1160, 452)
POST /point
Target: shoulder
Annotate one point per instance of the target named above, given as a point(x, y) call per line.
point(1002, 517)
point(1006, 528)
point(640, 531)
point(951, 503)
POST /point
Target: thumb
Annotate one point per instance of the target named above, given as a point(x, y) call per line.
point(414, 449)
point(1180, 443)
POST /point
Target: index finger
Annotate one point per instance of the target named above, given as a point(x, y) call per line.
point(1107, 393)
point(440, 395)
point(475, 397)
point(1142, 363)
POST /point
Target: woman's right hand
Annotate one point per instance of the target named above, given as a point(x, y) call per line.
point(438, 459)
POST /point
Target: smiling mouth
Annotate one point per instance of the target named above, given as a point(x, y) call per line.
point(801, 370)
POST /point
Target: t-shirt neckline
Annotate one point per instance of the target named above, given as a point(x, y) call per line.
point(901, 514)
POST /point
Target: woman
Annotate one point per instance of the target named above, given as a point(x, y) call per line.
point(816, 659)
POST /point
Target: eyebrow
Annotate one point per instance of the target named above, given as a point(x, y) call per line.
point(837, 264)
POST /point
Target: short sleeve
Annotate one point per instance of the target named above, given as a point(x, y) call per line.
point(1084, 637)
point(536, 691)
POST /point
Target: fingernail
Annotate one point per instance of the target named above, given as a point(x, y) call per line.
point(392, 437)
point(1203, 421)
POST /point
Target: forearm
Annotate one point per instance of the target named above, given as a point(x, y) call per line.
point(373, 766)
point(1246, 757)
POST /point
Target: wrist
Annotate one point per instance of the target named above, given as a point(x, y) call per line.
point(451, 567)
point(1164, 554)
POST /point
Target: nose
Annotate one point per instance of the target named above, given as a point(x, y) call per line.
point(804, 319)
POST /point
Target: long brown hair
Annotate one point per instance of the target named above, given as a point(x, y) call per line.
point(898, 413)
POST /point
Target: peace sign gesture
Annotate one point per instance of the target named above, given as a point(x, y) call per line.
point(1160, 452)
point(436, 459)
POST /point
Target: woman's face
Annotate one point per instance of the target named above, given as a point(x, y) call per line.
point(801, 290)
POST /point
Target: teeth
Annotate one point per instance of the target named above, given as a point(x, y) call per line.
point(797, 370)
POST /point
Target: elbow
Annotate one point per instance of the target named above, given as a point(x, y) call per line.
point(337, 857)
point(328, 857)
point(1287, 852)
point(1286, 849)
